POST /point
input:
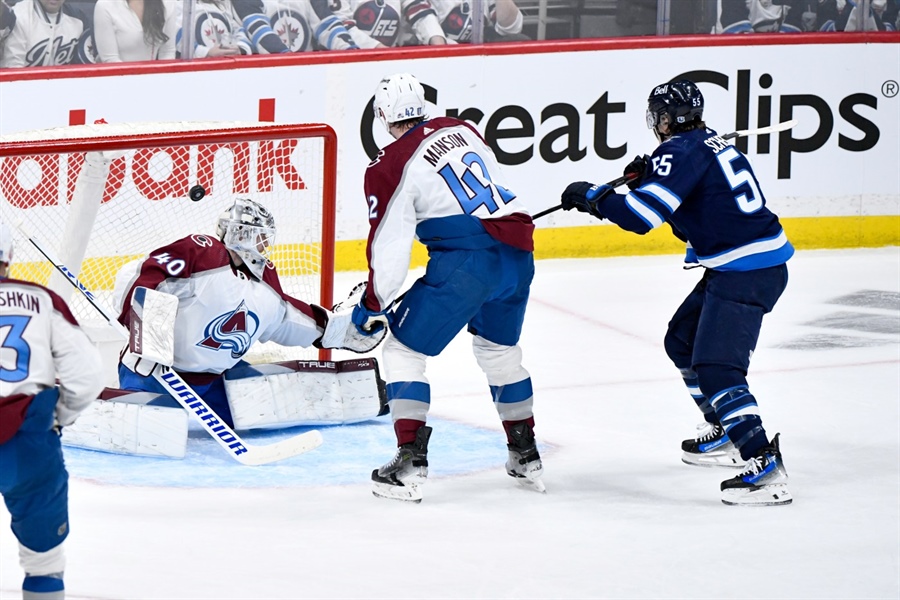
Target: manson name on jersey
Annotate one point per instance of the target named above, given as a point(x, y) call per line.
point(442, 146)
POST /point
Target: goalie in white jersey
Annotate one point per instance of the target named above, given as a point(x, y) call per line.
point(40, 344)
point(440, 182)
point(228, 297)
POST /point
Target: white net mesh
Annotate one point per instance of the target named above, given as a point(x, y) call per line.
point(102, 196)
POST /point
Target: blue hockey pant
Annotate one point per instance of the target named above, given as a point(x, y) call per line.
point(33, 478)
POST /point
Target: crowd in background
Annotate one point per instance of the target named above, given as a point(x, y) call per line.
point(60, 32)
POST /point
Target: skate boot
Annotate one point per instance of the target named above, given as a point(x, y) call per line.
point(403, 476)
point(711, 448)
point(524, 462)
point(762, 483)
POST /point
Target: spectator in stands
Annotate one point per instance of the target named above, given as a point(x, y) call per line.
point(389, 23)
point(7, 22)
point(878, 19)
point(502, 20)
point(305, 25)
point(43, 35)
point(215, 29)
point(134, 30)
point(86, 53)
point(755, 16)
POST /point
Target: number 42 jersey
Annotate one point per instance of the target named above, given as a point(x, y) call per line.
point(440, 183)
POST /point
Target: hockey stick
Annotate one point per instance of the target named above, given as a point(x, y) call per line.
point(762, 130)
point(175, 385)
point(728, 136)
point(613, 184)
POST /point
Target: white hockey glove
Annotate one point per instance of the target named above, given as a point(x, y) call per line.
point(342, 334)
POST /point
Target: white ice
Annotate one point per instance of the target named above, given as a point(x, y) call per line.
point(622, 516)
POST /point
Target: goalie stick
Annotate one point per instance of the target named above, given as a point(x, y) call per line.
point(175, 385)
point(728, 136)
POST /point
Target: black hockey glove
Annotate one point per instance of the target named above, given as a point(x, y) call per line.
point(584, 197)
point(636, 169)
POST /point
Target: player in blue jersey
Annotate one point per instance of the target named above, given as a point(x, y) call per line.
point(706, 190)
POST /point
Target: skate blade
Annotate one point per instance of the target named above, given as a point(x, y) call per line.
point(731, 461)
point(404, 493)
point(535, 485)
point(774, 494)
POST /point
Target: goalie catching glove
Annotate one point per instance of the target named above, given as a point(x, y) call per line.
point(342, 333)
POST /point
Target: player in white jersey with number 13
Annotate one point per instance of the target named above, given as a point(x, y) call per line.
point(440, 182)
point(49, 373)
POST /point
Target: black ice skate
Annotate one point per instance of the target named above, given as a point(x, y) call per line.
point(762, 483)
point(403, 476)
point(524, 462)
point(711, 448)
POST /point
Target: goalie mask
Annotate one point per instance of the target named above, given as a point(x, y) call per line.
point(677, 104)
point(248, 230)
point(399, 98)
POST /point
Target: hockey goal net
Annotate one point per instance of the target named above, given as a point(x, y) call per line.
point(105, 195)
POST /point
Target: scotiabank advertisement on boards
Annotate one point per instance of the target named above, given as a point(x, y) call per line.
point(552, 117)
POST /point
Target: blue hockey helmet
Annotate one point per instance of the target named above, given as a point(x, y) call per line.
point(680, 100)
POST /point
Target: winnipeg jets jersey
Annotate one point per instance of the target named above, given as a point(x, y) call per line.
point(40, 341)
point(213, 24)
point(389, 22)
point(455, 17)
point(40, 38)
point(706, 189)
point(222, 310)
point(442, 184)
point(305, 25)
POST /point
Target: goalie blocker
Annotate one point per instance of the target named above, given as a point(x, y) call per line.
point(263, 396)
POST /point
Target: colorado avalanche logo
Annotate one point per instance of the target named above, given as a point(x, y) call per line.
point(231, 331)
point(293, 30)
point(378, 19)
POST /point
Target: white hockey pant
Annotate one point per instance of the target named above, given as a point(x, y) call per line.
point(503, 366)
point(42, 563)
point(401, 364)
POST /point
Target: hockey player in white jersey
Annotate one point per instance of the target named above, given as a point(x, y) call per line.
point(440, 182)
point(43, 35)
point(40, 344)
point(229, 297)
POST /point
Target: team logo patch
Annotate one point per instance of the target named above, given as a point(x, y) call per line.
point(378, 19)
point(293, 30)
point(231, 331)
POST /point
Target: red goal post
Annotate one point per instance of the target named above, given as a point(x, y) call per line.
point(106, 195)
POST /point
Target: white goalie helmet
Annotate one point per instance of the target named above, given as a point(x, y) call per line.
point(248, 230)
point(6, 244)
point(399, 97)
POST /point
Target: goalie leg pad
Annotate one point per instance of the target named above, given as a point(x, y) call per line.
point(138, 423)
point(295, 392)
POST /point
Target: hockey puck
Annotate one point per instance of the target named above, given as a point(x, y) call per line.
point(197, 193)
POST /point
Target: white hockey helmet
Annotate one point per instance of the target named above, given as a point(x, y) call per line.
point(399, 97)
point(6, 244)
point(248, 230)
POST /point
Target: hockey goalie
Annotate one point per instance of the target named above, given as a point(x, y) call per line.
point(197, 305)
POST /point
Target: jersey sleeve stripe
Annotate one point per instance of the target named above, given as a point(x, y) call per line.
point(664, 195)
point(646, 214)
